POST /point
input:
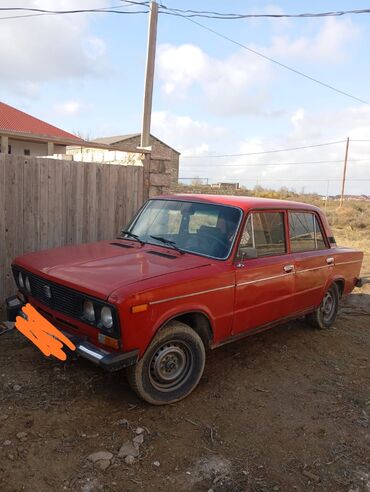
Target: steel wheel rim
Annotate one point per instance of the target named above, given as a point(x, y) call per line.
point(328, 306)
point(171, 365)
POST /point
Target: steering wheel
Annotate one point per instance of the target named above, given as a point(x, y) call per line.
point(219, 241)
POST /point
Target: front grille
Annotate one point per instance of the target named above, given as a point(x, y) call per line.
point(62, 298)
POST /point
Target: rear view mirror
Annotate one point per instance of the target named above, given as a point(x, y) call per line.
point(250, 252)
point(247, 252)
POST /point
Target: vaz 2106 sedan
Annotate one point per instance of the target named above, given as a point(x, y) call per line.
point(189, 272)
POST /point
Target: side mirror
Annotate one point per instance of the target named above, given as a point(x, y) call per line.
point(247, 252)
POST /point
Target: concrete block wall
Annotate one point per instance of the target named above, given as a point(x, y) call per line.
point(160, 151)
point(160, 177)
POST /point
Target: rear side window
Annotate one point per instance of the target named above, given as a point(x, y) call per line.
point(263, 235)
point(305, 232)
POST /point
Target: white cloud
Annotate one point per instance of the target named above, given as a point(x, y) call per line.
point(189, 136)
point(331, 44)
point(295, 169)
point(353, 121)
point(69, 107)
point(234, 85)
point(180, 66)
point(34, 50)
point(239, 83)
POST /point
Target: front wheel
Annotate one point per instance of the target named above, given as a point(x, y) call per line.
point(325, 315)
point(171, 367)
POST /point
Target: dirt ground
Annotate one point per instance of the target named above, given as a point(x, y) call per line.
point(285, 410)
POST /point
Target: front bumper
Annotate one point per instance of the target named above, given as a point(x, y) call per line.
point(110, 361)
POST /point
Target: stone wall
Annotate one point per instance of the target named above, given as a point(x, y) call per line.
point(160, 151)
point(160, 176)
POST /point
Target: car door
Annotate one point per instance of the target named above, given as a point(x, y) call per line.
point(264, 271)
point(312, 258)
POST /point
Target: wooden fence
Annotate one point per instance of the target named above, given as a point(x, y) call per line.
point(45, 203)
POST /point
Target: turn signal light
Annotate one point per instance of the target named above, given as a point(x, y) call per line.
point(108, 341)
point(139, 308)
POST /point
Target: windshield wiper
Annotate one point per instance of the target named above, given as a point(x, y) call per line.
point(134, 236)
point(169, 242)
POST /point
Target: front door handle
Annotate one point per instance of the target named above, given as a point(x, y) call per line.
point(330, 260)
point(288, 268)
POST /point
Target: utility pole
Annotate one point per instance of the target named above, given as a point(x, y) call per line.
point(327, 193)
point(149, 75)
point(344, 173)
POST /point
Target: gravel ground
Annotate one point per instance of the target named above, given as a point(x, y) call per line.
point(288, 409)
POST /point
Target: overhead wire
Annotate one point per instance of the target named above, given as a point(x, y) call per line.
point(272, 60)
point(253, 178)
point(176, 12)
point(263, 152)
point(37, 12)
point(262, 164)
point(233, 16)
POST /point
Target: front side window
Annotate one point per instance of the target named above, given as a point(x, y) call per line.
point(305, 232)
point(263, 235)
point(201, 228)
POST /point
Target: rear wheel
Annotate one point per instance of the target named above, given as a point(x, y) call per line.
point(171, 367)
point(325, 315)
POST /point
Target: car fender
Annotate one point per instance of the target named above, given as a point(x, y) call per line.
point(169, 314)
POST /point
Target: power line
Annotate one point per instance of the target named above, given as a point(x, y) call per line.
point(252, 178)
point(262, 152)
point(280, 64)
point(308, 179)
point(232, 16)
point(104, 10)
point(186, 13)
point(278, 163)
point(132, 2)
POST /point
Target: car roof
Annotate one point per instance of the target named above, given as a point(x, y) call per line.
point(244, 202)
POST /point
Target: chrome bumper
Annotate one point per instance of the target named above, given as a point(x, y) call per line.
point(107, 360)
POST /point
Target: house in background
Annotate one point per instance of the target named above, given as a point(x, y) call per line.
point(126, 150)
point(23, 134)
point(226, 186)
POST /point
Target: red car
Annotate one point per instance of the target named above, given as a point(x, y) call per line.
point(189, 272)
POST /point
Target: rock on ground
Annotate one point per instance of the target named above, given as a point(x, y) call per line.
point(128, 449)
point(100, 456)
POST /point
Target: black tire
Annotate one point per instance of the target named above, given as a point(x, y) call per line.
point(325, 315)
point(171, 367)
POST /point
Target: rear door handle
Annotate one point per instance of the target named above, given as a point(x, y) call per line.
point(330, 260)
point(288, 268)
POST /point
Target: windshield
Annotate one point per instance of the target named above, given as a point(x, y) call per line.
point(200, 228)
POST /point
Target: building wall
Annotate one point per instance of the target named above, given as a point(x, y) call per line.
point(160, 151)
point(105, 156)
point(36, 148)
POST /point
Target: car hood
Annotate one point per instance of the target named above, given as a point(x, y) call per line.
point(100, 268)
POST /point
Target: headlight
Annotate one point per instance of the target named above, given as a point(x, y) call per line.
point(20, 280)
point(27, 285)
point(101, 316)
point(106, 317)
point(89, 311)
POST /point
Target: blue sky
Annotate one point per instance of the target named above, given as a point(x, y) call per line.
point(85, 74)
